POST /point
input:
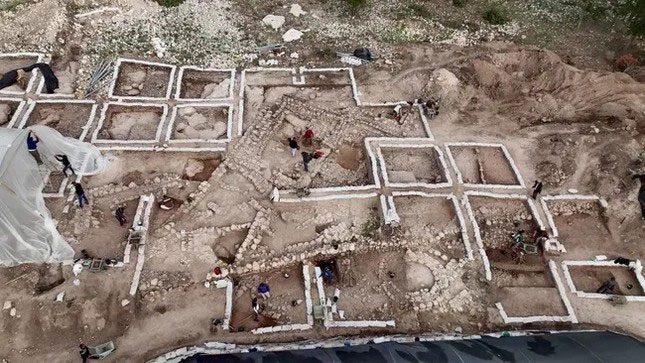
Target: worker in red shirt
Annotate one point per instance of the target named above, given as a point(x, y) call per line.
point(307, 137)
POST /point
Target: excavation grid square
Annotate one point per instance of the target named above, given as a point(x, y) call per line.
point(433, 221)
point(409, 165)
point(138, 80)
point(66, 70)
point(70, 118)
point(284, 307)
point(578, 224)
point(133, 123)
point(200, 123)
point(196, 84)
point(13, 61)
point(586, 278)
point(484, 165)
point(590, 278)
point(10, 111)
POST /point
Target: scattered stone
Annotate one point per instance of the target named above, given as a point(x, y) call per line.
point(274, 21)
point(7, 305)
point(125, 302)
point(296, 10)
point(292, 35)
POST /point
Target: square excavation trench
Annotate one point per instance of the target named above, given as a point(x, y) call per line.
point(109, 238)
point(10, 110)
point(130, 123)
point(408, 165)
point(580, 226)
point(142, 80)
point(525, 293)
point(433, 221)
point(65, 70)
point(285, 306)
point(200, 123)
point(372, 286)
point(258, 88)
point(315, 77)
point(10, 62)
point(483, 165)
point(588, 278)
point(297, 226)
point(197, 84)
point(497, 219)
point(70, 118)
point(344, 162)
point(172, 299)
point(270, 77)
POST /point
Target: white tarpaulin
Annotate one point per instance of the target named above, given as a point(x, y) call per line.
point(27, 231)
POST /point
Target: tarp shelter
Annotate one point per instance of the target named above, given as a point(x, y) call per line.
point(27, 231)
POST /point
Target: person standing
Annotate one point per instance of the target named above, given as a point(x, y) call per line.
point(306, 158)
point(308, 137)
point(293, 146)
point(66, 164)
point(32, 146)
point(608, 287)
point(84, 351)
point(264, 290)
point(537, 188)
point(256, 309)
point(641, 193)
point(120, 215)
point(80, 194)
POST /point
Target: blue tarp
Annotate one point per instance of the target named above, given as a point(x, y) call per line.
point(583, 347)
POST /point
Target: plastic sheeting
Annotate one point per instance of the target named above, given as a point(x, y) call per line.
point(27, 231)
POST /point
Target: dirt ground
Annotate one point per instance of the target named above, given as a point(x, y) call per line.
point(569, 118)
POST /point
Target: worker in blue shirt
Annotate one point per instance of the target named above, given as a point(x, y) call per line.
point(32, 146)
point(264, 290)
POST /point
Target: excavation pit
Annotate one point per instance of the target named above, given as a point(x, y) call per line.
point(134, 123)
point(483, 165)
point(200, 123)
point(408, 165)
point(205, 84)
point(285, 306)
point(10, 62)
point(71, 119)
point(9, 111)
point(142, 80)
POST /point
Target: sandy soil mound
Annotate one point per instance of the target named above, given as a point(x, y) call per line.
point(539, 86)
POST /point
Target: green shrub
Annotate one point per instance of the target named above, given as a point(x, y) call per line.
point(169, 3)
point(355, 5)
point(459, 3)
point(496, 14)
point(420, 11)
